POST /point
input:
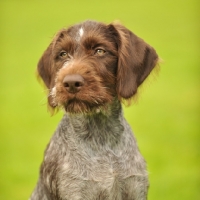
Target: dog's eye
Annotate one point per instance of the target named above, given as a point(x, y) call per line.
point(100, 52)
point(63, 54)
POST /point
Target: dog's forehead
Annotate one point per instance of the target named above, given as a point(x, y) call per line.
point(87, 28)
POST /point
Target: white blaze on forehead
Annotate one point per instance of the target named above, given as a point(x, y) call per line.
point(81, 32)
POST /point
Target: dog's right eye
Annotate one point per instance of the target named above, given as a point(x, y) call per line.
point(63, 54)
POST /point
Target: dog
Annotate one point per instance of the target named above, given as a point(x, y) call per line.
point(89, 70)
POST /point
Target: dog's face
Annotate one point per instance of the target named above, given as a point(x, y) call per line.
point(88, 65)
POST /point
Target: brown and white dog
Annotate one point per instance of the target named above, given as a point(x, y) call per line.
point(89, 69)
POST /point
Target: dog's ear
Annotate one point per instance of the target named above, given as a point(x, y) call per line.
point(44, 66)
point(136, 59)
point(45, 72)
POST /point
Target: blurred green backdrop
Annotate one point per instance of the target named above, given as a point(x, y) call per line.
point(165, 119)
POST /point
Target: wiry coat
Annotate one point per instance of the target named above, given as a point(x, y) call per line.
point(93, 154)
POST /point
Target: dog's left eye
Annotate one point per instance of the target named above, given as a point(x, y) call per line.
point(99, 52)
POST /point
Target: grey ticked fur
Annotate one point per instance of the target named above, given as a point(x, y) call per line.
point(93, 157)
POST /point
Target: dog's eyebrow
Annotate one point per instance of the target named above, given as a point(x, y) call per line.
point(92, 42)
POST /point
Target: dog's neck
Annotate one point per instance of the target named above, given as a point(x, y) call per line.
point(97, 129)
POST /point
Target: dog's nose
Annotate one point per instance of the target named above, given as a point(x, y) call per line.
point(73, 83)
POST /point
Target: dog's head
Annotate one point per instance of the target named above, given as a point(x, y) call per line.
point(90, 64)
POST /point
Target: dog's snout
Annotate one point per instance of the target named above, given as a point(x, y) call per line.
point(73, 83)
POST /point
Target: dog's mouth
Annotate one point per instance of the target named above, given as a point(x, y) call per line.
point(76, 105)
point(87, 101)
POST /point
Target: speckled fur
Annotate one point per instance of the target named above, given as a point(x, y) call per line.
point(93, 157)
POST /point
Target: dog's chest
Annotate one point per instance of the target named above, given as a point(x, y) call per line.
point(95, 168)
point(102, 176)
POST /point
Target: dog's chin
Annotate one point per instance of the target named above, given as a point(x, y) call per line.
point(76, 106)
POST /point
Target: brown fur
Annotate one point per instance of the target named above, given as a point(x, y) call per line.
point(120, 73)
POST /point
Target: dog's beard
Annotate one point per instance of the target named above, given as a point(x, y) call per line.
point(85, 107)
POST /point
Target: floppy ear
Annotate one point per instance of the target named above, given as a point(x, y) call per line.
point(45, 72)
point(136, 60)
point(44, 66)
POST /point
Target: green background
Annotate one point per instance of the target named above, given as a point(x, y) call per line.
point(165, 118)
